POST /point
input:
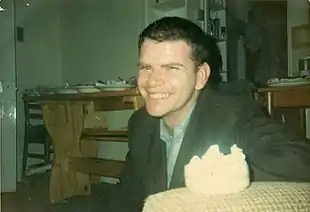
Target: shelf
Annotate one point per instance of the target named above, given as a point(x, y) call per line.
point(216, 7)
point(106, 138)
point(97, 166)
point(168, 5)
point(104, 134)
point(217, 39)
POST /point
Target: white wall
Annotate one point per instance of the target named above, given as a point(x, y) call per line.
point(39, 56)
point(99, 39)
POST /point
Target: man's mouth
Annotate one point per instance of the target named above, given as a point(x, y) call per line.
point(159, 95)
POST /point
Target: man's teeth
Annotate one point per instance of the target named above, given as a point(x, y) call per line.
point(159, 95)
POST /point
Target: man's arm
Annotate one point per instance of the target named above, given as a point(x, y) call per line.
point(127, 196)
point(271, 147)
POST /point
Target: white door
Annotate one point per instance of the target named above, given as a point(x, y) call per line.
point(7, 98)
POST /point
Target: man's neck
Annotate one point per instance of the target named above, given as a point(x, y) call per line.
point(174, 119)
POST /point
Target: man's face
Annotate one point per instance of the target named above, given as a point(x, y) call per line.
point(168, 78)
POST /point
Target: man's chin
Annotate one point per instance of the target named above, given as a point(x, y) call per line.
point(154, 113)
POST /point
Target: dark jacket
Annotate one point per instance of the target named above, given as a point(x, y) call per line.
point(218, 118)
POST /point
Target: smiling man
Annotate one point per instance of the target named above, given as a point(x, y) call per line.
point(185, 113)
point(169, 79)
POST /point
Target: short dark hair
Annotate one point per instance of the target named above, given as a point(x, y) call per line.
point(204, 47)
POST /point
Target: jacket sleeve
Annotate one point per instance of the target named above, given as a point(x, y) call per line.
point(127, 195)
point(271, 147)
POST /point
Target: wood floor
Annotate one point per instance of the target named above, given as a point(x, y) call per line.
point(32, 196)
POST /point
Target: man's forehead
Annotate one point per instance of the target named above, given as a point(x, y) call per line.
point(152, 50)
point(168, 45)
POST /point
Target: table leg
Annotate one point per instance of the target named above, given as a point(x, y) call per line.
point(64, 122)
point(303, 124)
point(269, 102)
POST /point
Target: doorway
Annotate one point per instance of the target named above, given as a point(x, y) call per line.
point(266, 41)
point(8, 169)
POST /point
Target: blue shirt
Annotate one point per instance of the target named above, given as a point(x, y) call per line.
point(173, 139)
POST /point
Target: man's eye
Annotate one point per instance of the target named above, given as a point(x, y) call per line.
point(145, 68)
point(173, 68)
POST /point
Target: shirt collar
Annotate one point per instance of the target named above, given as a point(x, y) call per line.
point(166, 134)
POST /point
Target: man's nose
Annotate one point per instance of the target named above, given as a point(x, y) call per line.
point(156, 78)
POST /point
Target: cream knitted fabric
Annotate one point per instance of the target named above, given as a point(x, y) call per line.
point(216, 173)
point(259, 197)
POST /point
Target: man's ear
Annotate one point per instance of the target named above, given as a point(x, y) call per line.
point(203, 74)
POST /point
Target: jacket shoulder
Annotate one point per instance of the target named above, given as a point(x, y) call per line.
point(140, 115)
point(140, 119)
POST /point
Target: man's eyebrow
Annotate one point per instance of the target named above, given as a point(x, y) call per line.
point(139, 64)
point(173, 64)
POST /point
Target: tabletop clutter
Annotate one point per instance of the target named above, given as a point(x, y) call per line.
point(119, 84)
point(288, 81)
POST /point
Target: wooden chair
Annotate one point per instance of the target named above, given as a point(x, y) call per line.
point(35, 133)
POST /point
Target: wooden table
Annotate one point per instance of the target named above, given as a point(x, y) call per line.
point(297, 97)
point(64, 117)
